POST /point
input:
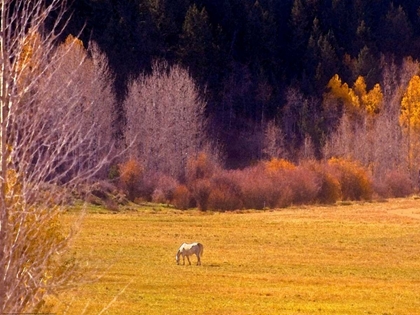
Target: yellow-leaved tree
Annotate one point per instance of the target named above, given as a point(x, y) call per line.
point(355, 110)
point(410, 120)
point(343, 92)
point(357, 101)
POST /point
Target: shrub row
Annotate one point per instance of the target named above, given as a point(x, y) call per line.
point(268, 184)
point(272, 184)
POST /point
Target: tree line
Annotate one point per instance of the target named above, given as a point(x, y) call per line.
point(246, 56)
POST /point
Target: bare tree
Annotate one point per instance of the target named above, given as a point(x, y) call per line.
point(307, 149)
point(273, 144)
point(341, 141)
point(165, 119)
point(48, 143)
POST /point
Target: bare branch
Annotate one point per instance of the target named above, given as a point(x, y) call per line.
point(55, 120)
point(166, 117)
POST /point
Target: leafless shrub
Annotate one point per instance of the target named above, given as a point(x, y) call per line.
point(303, 184)
point(201, 193)
point(163, 187)
point(397, 184)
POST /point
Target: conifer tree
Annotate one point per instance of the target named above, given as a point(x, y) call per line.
point(196, 44)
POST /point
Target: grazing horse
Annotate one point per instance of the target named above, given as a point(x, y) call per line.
point(188, 250)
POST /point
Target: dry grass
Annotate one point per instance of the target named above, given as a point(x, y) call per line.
point(348, 259)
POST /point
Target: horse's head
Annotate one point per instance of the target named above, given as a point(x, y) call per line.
point(177, 257)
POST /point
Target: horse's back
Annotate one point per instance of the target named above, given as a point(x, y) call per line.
point(185, 247)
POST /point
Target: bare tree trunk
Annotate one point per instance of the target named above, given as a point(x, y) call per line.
point(3, 114)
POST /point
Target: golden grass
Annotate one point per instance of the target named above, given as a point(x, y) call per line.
point(349, 259)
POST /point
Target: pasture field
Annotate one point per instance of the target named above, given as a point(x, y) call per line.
point(359, 258)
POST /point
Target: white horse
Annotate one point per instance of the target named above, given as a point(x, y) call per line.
point(188, 250)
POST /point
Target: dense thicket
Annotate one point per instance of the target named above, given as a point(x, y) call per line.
point(247, 56)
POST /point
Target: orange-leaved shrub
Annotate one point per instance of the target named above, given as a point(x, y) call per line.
point(303, 186)
point(198, 174)
point(200, 167)
point(181, 198)
point(201, 193)
point(354, 181)
point(275, 165)
point(257, 189)
point(131, 173)
point(225, 192)
point(329, 189)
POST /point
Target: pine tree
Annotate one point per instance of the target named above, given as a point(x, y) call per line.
point(196, 47)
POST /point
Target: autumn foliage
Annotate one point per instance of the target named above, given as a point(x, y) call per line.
point(357, 99)
point(199, 172)
point(354, 181)
point(181, 197)
point(272, 184)
point(38, 243)
point(276, 183)
point(131, 173)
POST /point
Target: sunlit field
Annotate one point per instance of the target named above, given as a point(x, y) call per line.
point(342, 259)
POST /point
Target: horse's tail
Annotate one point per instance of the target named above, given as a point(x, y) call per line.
point(201, 248)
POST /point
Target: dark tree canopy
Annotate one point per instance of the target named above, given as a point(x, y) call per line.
point(245, 55)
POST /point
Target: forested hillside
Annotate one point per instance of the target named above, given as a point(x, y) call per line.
point(247, 56)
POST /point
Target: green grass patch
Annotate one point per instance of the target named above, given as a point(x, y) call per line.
point(355, 259)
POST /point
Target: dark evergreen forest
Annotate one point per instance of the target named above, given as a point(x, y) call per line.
point(247, 55)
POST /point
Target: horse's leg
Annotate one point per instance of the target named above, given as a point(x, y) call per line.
point(198, 259)
point(188, 257)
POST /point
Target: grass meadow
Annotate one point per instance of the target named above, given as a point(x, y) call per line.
point(359, 258)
